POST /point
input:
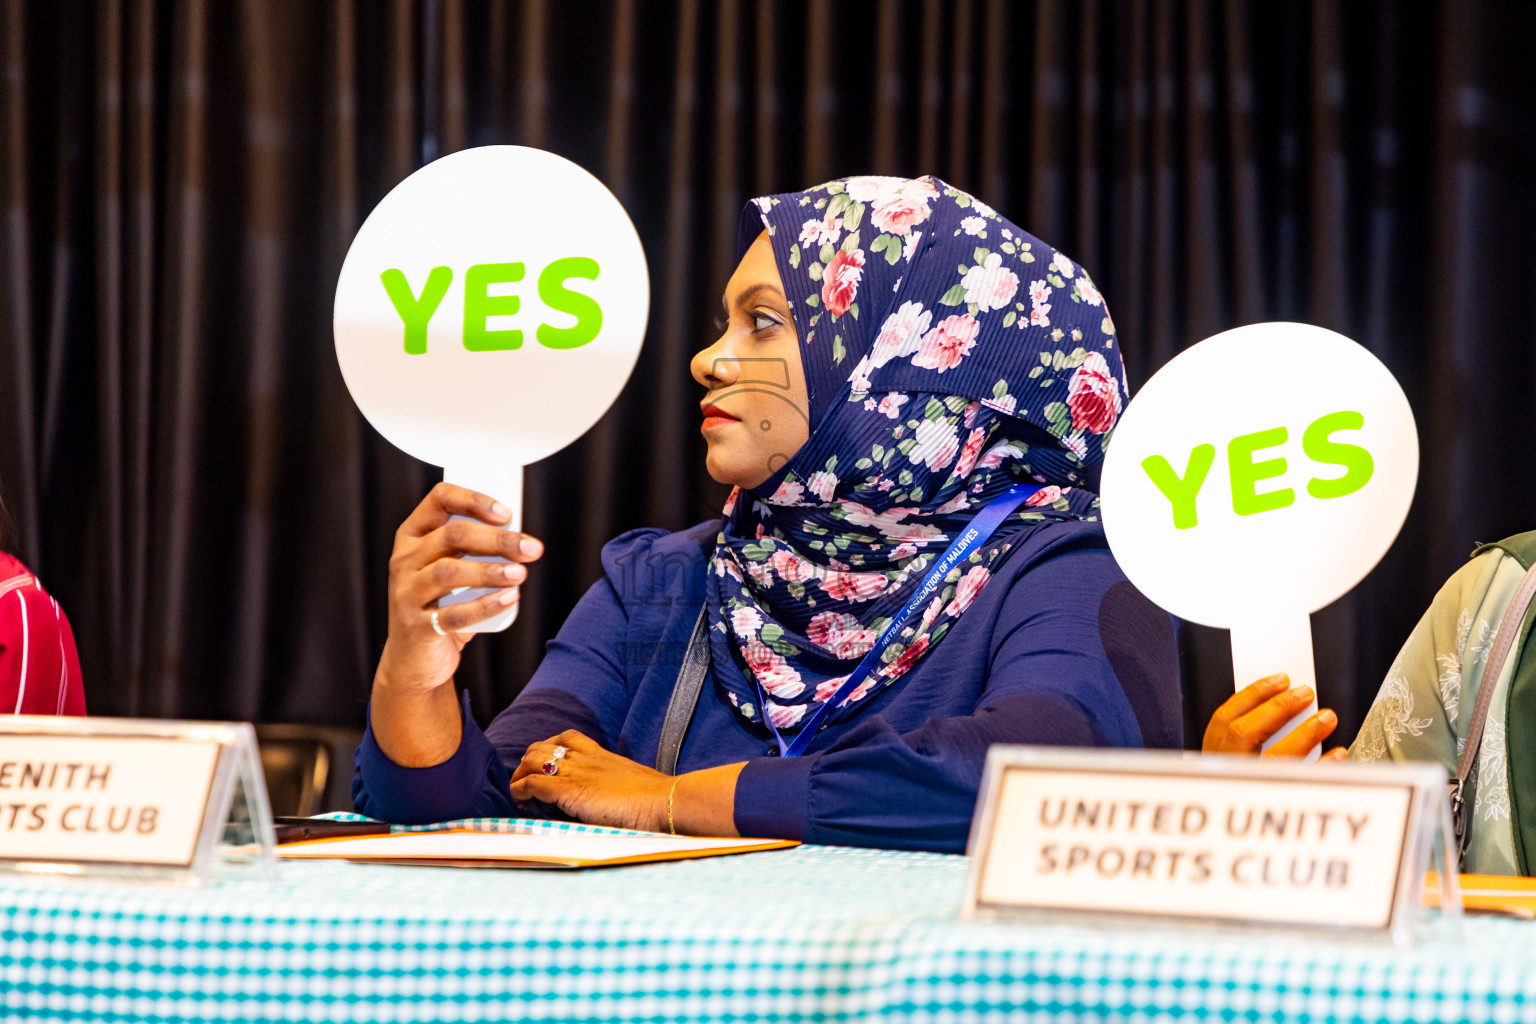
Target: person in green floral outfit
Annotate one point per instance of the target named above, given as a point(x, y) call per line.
point(1424, 708)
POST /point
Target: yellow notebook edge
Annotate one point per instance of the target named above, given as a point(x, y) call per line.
point(1508, 894)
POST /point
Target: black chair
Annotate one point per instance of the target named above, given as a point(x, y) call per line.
point(308, 767)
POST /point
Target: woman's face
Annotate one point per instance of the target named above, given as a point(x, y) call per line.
point(757, 411)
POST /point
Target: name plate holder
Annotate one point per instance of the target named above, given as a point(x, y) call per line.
point(169, 801)
point(1232, 842)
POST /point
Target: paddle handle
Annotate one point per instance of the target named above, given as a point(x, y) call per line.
point(505, 484)
point(1277, 643)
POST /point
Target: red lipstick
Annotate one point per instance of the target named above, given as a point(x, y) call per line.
point(714, 416)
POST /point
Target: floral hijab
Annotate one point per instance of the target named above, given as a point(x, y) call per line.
point(948, 356)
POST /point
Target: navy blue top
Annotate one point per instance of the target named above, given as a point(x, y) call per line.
point(1057, 649)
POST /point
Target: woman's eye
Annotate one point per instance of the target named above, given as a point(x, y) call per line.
point(721, 323)
point(762, 321)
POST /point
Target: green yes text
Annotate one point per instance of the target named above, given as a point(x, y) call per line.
point(1246, 470)
point(416, 309)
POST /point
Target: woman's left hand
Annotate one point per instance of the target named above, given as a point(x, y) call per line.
point(594, 785)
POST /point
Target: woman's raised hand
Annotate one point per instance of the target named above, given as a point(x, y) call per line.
point(1251, 716)
point(427, 563)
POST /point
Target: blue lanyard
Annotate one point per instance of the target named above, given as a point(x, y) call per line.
point(975, 535)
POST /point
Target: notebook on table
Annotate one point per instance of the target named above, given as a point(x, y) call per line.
point(465, 848)
point(1489, 894)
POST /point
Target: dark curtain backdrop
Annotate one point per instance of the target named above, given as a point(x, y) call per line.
point(179, 183)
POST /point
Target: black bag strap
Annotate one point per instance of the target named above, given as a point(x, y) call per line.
point(685, 697)
point(1464, 784)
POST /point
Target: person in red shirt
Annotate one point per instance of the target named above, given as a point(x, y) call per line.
point(39, 668)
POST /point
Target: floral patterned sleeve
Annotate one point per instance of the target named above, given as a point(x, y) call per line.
point(1424, 707)
point(1414, 714)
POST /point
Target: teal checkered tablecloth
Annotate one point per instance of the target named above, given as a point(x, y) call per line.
point(814, 933)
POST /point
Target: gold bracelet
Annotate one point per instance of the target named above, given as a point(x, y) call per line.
point(671, 795)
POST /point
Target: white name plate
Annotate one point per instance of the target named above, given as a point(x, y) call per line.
point(102, 794)
point(1204, 839)
point(88, 798)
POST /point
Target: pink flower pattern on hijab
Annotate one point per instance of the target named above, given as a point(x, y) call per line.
point(948, 356)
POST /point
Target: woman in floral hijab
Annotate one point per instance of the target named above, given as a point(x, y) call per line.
point(948, 355)
point(936, 357)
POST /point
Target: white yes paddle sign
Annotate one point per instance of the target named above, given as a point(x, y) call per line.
point(489, 311)
point(1257, 477)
